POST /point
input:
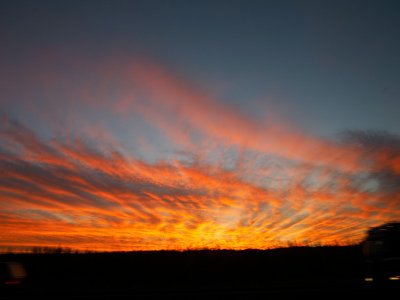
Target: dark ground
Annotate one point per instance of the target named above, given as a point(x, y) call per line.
point(218, 274)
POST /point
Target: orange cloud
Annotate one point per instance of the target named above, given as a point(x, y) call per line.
point(231, 181)
point(171, 96)
point(105, 201)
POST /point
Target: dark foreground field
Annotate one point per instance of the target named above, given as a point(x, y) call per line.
point(221, 274)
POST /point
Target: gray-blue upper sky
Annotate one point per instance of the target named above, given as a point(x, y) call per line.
point(325, 65)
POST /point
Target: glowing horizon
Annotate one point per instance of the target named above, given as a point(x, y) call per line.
point(134, 125)
point(227, 181)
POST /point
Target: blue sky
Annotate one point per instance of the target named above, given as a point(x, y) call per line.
point(328, 66)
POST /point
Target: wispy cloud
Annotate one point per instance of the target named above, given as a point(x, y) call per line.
point(219, 178)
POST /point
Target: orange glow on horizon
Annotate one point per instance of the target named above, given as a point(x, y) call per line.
point(230, 183)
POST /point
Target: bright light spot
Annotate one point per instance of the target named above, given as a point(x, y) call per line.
point(394, 278)
point(368, 279)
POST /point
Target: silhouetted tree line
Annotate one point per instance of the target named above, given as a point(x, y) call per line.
point(41, 250)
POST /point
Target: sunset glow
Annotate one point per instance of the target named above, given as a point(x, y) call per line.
point(121, 151)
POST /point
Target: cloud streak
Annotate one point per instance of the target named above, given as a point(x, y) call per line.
point(151, 161)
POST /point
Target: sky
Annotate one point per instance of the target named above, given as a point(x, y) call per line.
point(149, 125)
